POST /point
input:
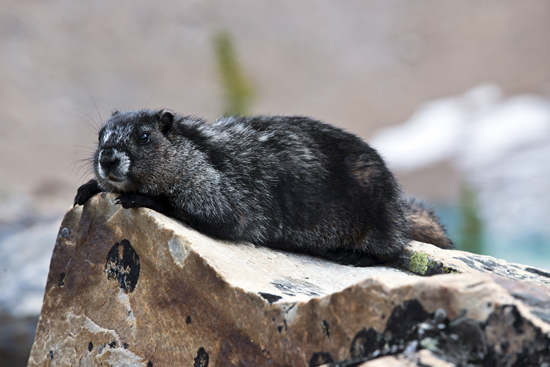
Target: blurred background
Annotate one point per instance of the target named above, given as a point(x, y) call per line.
point(455, 95)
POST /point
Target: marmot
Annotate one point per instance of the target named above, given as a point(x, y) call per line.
point(285, 182)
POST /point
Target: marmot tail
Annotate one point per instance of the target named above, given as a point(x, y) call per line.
point(424, 225)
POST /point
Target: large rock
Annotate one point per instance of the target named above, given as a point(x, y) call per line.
point(135, 288)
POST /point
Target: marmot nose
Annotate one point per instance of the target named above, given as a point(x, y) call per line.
point(107, 163)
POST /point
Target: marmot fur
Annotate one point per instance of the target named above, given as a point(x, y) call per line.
point(285, 182)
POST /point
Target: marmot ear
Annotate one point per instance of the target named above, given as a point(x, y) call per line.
point(166, 121)
point(115, 112)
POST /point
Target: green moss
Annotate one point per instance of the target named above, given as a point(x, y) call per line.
point(419, 263)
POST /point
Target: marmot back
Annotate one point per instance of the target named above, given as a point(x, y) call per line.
point(289, 183)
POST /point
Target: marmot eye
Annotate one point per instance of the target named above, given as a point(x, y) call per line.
point(144, 139)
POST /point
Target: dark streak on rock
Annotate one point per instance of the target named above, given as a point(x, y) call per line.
point(325, 328)
point(51, 354)
point(487, 263)
point(435, 268)
point(529, 299)
point(123, 265)
point(201, 360)
point(292, 286)
point(61, 280)
point(544, 316)
point(150, 364)
point(90, 346)
point(538, 272)
point(468, 262)
point(320, 358)
point(518, 320)
point(472, 336)
point(504, 346)
point(469, 286)
point(365, 342)
point(271, 298)
point(403, 318)
point(188, 320)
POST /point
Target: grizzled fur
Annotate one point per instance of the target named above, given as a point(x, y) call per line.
point(288, 183)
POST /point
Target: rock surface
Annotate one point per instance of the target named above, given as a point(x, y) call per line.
point(135, 288)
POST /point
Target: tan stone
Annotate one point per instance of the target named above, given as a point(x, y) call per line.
point(135, 288)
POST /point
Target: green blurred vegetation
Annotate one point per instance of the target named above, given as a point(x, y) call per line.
point(238, 91)
point(471, 236)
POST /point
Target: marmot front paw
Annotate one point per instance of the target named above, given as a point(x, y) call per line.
point(86, 191)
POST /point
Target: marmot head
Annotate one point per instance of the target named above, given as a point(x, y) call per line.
point(133, 148)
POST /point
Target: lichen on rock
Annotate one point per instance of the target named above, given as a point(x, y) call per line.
point(419, 263)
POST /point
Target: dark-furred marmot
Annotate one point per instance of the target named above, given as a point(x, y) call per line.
point(285, 182)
